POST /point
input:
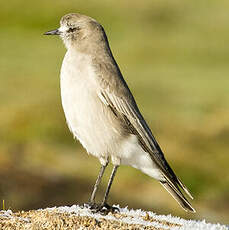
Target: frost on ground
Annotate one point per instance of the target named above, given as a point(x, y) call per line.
point(78, 217)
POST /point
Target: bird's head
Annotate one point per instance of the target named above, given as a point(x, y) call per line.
point(79, 30)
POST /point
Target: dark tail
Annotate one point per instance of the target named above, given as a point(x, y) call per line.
point(177, 194)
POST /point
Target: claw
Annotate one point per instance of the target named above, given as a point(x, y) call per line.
point(92, 206)
point(101, 208)
point(106, 208)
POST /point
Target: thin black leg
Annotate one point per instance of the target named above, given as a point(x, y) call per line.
point(109, 185)
point(101, 172)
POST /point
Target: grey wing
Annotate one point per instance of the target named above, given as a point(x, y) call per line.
point(126, 109)
point(115, 93)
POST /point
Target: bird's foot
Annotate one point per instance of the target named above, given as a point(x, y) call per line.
point(106, 208)
point(102, 208)
point(92, 206)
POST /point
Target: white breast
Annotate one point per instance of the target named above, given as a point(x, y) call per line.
point(87, 116)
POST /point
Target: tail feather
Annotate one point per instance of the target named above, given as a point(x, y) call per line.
point(178, 196)
point(185, 188)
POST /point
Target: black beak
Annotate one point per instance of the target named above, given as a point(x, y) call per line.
point(53, 32)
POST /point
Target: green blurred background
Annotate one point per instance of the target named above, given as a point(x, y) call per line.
point(174, 56)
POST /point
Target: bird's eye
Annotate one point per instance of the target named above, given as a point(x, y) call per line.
point(70, 30)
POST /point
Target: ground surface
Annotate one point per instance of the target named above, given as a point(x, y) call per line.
point(76, 217)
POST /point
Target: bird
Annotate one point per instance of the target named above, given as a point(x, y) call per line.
point(102, 113)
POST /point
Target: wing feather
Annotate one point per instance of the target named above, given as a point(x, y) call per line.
point(114, 92)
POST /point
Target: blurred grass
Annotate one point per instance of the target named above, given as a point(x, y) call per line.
point(174, 56)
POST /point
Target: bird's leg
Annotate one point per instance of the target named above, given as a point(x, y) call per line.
point(104, 203)
point(101, 172)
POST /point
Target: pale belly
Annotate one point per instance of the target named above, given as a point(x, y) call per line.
point(90, 121)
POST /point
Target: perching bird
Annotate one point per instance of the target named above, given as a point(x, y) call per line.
point(101, 111)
